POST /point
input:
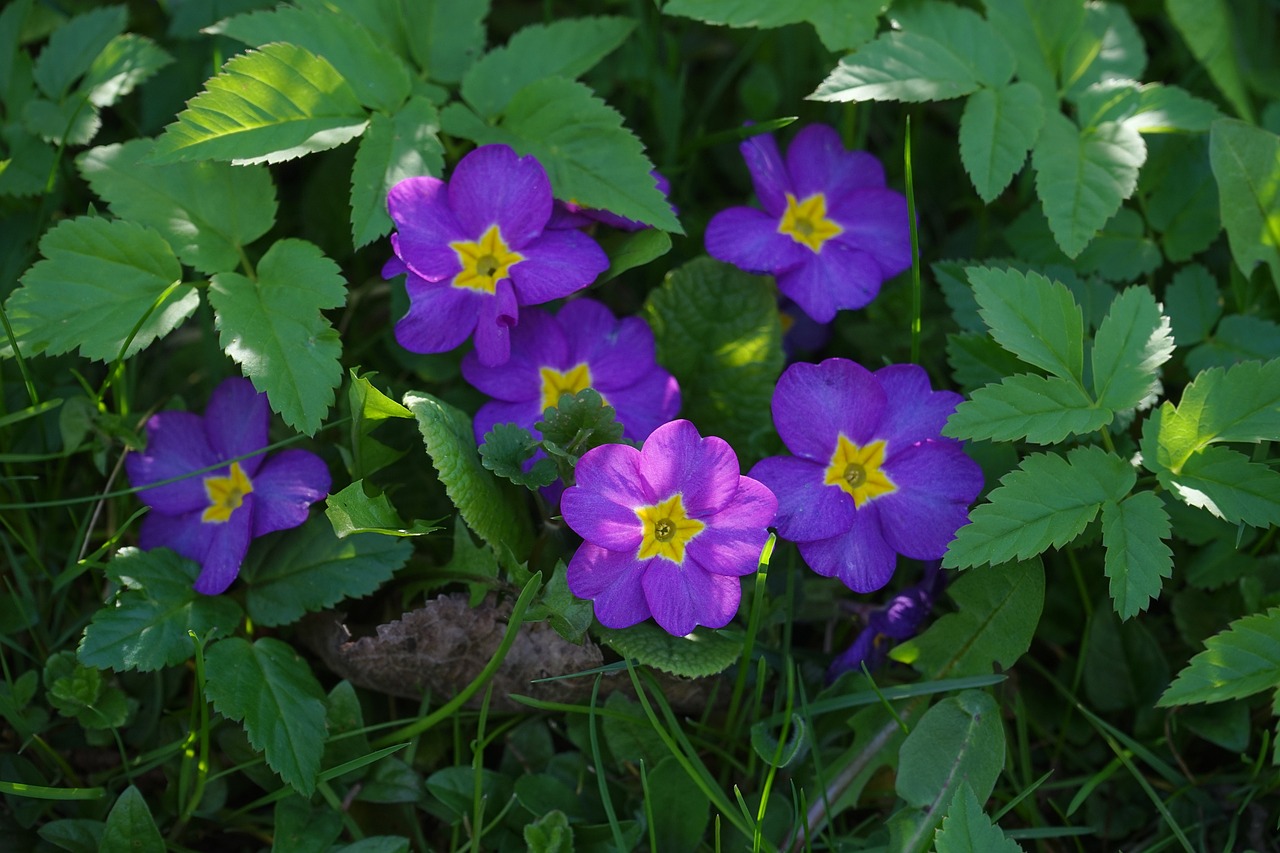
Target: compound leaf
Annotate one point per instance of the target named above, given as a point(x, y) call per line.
point(406, 145)
point(1133, 340)
point(1137, 560)
point(1036, 319)
point(1040, 409)
point(997, 129)
point(1242, 660)
point(967, 829)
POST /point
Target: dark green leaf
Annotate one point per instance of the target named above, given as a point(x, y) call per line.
point(966, 829)
point(1227, 484)
point(577, 423)
point(1137, 560)
point(1124, 666)
point(475, 565)
point(31, 162)
point(1131, 344)
point(1239, 337)
point(1246, 162)
point(1194, 304)
point(406, 145)
point(1041, 409)
point(977, 360)
point(1122, 251)
point(130, 827)
point(772, 750)
point(126, 62)
point(1207, 29)
point(74, 46)
point(445, 36)
point(507, 447)
point(999, 126)
point(1241, 661)
point(70, 122)
point(297, 827)
point(1034, 318)
point(352, 510)
point(569, 615)
point(369, 409)
point(1182, 196)
point(702, 654)
point(628, 250)
point(841, 26)
point(683, 806)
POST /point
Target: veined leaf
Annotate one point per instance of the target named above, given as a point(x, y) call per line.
point(841, 26)
point(1227, 484)
point(1246, 162)
point(899, 66)
point(1038, 34)
point(1240, 403)
point(273, 329)
point(272, 691)
point(705, 653)
point(369, 409)
point(961, 32)
point(1046, 501)
point(445, 36)
point(123, 64)
point(406, 145)
point(1132, 342)
point(1137, 559)
point(1032, 317)
point(505, 450)
point(1181, 202)
point(131, 826)
point(1150, 108)
point(977, 360)
point(1107, 46)
point(1238, 338)
point(959, 739)
point(1194, 304)
point(351, 511)
point(1206, 27)
point(1122, 251)
point(997, 129)
point(74, 46)
point(1240, 661)
point(966, 829)
point(1041, 409)
point(265, 106)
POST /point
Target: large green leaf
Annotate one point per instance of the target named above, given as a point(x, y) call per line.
point(1240, 403)
point(268, 687)
point(961, 32)
point(445, 36)
point(999, 126)
point(1132, 342)
point(206, 211)
point(1227, 484)
point(274, 330)
point(131, 827)
point(899, 66)
point(842, 25)
point(352, 510)
point(966, 829)
point(265, 106)
point(1040, 409)
point(1032, 317)
point(1206, 27)
point(99, 279)
point(74, 46)
point(1246, 162)
point(1241, 661)
point(406, 145)
point(1137, 560)
point(146, 627)
point(1038, 34)
point(123, 64)
point(1153, 108)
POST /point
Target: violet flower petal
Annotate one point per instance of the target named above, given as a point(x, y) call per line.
point(227, 547)
point(808, 509)
point(557, 264)
point(749, 239)
point(936, 483)
point(733, 538)
point(840, 277)
point(876, 222)
point(612, 580)
point(523, 413)
point(860, 558)
point(237, 421)
point(601, 507)
point(498, 313)
point(915, 412)
point(818, 162)
point(682, 597)
point(768, 172)
point(176, 446)
point(493, 185)
point(620, 352)
point(646, 404)
point(537, 341)
point(440, 317)
point(184, 534)
point(425, 226)
point(812, 403)
point(675, 458)
point(284, 489)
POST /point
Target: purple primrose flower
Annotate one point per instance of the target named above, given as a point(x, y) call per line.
point(669, 529)
point(210, 517)
point(476, 248)
point(583, 346)
point(872, 477)
point(830, 231)
point(899, 619)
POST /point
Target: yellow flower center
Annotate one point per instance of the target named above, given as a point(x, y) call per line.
point(856, 470)
point(485, 262)
point(806, 221)
point(226, 494)
point(555, 383)
point(667, 530)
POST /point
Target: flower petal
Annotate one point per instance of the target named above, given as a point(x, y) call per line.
point(613, 581)
point(812, 403)
point(768, 172)
point(685, 596)
point(498, 313)
point(734, 537)
point(818, 162)
point(861, 558)
point(915, 411)
point(645, 405)
point(619, 352)
point(808, 509)
point(601, 507)
point(875, 221)
point(493, 185)
point(176, 446)
point(936, 484)
point(227, 548)
point(536, 342)
point(284, 490)
point(237, 421)
point(839, 277)
point(749, 239)
point(675, 458)
point(425, 226)
point(557, 264)
point(440, 317)
point(184, 534)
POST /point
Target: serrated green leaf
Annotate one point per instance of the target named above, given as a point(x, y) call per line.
point(960, 738)
point(1122, 251)
point(977, 360)
point(1194, 304)
point(352, 511)
point(206, 211)
point(124, 63)
point(1040, 409)
point(378, 77)
point(997, 611)
point(495, 510)
point(1150, 108)
point(309, 568)
point(445, 36)
point(565, 48)
point(1206, 27)
point(83, 693)
point(1182, 195)
point(717, 330)
point(1082, 176)
point(405, 145)
point(505, 450)
point(74, 46)
point(31, 161)
point(1022, 517)
point(1240, 403)
point(577, 423)
point(1246, 163)
point(269, 688)
point(98, 280)
point(130, 826)
point(590, 156)
point(369, 409)
point(1107, 46)
point(899, 66)
point(1131, 344)
point(1137, 559)
point(997, 130)
point(569, 615)
point(1038, 34)
point(963, 33)
point(265, 106)
point(628, 250)
point(69, 122)
point(1240, 661)
point(1032, 317)
point(12, 20)
point(1239, 337)
point(1227, 484)
point(146, 627)
point(701, 654)
point(273, 329)
point(966, 829)
point(841, 26)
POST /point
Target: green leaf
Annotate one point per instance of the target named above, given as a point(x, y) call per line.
point(265, 106)
point(1240, 661)
point(376, 844)
point(507, 447)
point(207, 212)
point(1228, 485)
point(1182, 196)
point(271, 690)
point(1038, 34)
point(445, 36)
point(1206, 27)
point(74, 46)
point(778, 753)
point(580, 140)
point(124, 63)
point(1150, 108)
point(1194, 304)
point(31, 161)
point(98, 280)
point(82, 692)
point(352, 511)
point(1122, 251)
point(999, 126)
point(569, 615)
point(966, 829)
point(130, 826)
point(1240, 403)
point(841, 26)
point(899, 66)
point(703, 653)
point(1022, 517)
point(1239, 337)
point(1246, 163)
point(550, 833)
point(684, 806)
point(577, 423)
point(567, 48)
point(474, 565)
point(495, 510)
point(1106, 47)
point(297, 826)
point(378, 77)
point(997, 611)
point(68, 122)
point(1032, 317)
point(370, 408)
point(628, 250)
point(1137, 560)
point(1083, 175)
point(961, 32)
point(77, 835)
point(1132, 342)
point(309, 568)
point(406, 145)
point(1124, 665)
point(1040, 409)
point(977, 360)
point(273, 329)
point(146, 627)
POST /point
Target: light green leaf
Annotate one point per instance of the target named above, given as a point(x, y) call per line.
point(124, 63)
point(273, 329)
point(309, 568)
point(265, 106)
point(1022, 517)
point(407, 145)
point(1246, 163)
point(1032, 317)
point(377, 76)
point(565, 48)
point(701, 654)
point(1240, 661)
point(899, 66)
point(998, 128)
point(1082, 176)
point(959, 739)
point(369, 409)
point(268, 687)
point(1240, 403)
point(1132, 342)
point(1040, 409)
point(1206, 27)
point(569, 615)
point(966, 829)
point(445, 36)
point(1107, 46)
point(1194, 304)
point(1181, 193)
point(206, 211)
point(1227, 484)
point(352, 511)
point(717, 331)
point(493, 508)
point(841, 26)
point(961, 32)
point(1137, 559)
point(1153, 108)
point(131, 827)
point(146, 627)
point(628, 250)
point(1239, 337)
point(99, 279)
point(74, 46)
point(69, 122)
